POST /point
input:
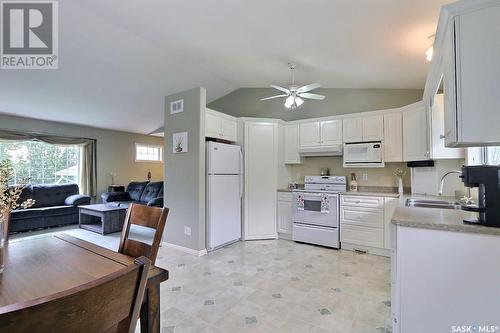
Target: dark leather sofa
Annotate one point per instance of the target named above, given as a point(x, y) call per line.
point(55, 205)
point(144, 193)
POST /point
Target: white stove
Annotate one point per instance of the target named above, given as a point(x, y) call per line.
point(316, 211)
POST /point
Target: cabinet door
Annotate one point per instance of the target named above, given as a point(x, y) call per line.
point(229, 129)
point(415, 146)
point(477, 50)
point(449, 105)
point(261, 161)
point(331, 132)
point(212, 126)
point(373, 128)
point(393, 137)
point(310, 134)
point(292, 144)
point(285, 217)
point(353, 130)
point(439, 151)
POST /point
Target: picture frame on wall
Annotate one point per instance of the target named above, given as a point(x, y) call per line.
point(180, 142)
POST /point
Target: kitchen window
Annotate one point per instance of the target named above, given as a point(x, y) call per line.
point(483, 156)
point(148, 153)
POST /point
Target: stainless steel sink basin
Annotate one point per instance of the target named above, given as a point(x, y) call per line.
point(432, 203)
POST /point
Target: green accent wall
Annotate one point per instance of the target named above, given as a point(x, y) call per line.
point(245, 102)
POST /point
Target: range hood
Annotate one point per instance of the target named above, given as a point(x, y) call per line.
point(333, 150)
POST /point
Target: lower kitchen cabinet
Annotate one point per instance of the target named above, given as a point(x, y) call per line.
point(284, 215)
point(364, 223)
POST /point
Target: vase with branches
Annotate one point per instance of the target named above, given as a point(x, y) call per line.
point(9, 200)
point(400, 173)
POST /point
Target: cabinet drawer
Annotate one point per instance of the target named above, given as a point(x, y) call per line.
point(362, 201)
point(285, 196)
point(364, 217)
point(358, 235)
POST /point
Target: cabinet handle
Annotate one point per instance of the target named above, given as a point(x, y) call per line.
point(442, 136)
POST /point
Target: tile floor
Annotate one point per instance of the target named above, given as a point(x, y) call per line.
point(268, 286)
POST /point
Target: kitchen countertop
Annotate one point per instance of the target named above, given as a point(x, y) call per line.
point(374, 194)
point(437, 218)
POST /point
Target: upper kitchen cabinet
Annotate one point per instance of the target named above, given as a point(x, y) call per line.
point(292, 144)
point(310, 134)
point(353, 130)
point(439, 150)
point(393, 137)
point(363, 129)
point(467, 52)
point(415, 134)
point(220, 126)
point(320, 138)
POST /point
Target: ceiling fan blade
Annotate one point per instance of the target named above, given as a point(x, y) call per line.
point(309, 87)
point(281, 89)
point(265, 99)
point(312, 96)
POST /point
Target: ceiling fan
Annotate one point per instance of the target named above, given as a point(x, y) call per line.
point(295, 95)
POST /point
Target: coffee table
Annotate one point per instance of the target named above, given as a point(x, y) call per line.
point(101, 218)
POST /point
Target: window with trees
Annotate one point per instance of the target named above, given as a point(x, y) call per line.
point(42, 163)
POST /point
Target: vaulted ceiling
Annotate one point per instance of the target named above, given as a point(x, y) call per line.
point(119, 58)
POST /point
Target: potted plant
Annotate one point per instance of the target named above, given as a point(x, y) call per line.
point(9, 197)
point(399, 173)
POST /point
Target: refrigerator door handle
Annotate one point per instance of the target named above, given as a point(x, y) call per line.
point(241, 174)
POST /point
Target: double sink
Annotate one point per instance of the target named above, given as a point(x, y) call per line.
point(443, 204)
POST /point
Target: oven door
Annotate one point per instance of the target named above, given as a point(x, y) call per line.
point(311, 213)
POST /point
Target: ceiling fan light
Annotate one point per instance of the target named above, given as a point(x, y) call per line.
point(299, 101)
point(289, 102)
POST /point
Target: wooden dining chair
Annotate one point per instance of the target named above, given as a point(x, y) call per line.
point(150, 217)
point(109, 304)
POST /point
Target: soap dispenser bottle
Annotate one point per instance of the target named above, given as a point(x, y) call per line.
point(353, 185)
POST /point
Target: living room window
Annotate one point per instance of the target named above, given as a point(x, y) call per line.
point(42, 163)
point(148, 153)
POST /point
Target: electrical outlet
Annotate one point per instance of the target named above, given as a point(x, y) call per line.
point(187, 231)
point(365, 176)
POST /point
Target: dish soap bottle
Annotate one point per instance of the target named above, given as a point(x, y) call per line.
point(353, 185)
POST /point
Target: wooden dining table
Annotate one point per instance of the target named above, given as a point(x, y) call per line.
point(36, 267)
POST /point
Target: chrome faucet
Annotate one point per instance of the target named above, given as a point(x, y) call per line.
point(467, 199)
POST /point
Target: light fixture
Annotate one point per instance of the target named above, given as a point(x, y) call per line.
point(430, 51)
point(299, 101)
point(289, 102)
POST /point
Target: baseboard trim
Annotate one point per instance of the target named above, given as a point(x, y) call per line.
point(186, 249)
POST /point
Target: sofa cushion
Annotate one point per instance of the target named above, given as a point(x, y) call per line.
point(30, 213)
point(135, 190)
point(151, 191)
point(59, 210)
point(53, 195)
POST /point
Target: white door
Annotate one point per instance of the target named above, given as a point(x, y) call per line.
point(439, 151)
point(261, 153)
point(292, 144)
point(212, 126)
point(331, 132)
point(223, 209)
point(353, 130)
point(229, 129)
point(393, 137)
point(415, 146)
point(310, 135)
point(223, 158)
point(373, 128)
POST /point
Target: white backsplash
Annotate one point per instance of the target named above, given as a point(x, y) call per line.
point(426, 180)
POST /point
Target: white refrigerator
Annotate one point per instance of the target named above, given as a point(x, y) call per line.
point(224, 193)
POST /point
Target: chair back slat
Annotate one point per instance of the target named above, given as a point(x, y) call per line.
point(137, 249)
point(109, 304)
point(145, 216)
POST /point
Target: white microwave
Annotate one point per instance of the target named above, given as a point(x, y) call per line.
point(363, 154)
